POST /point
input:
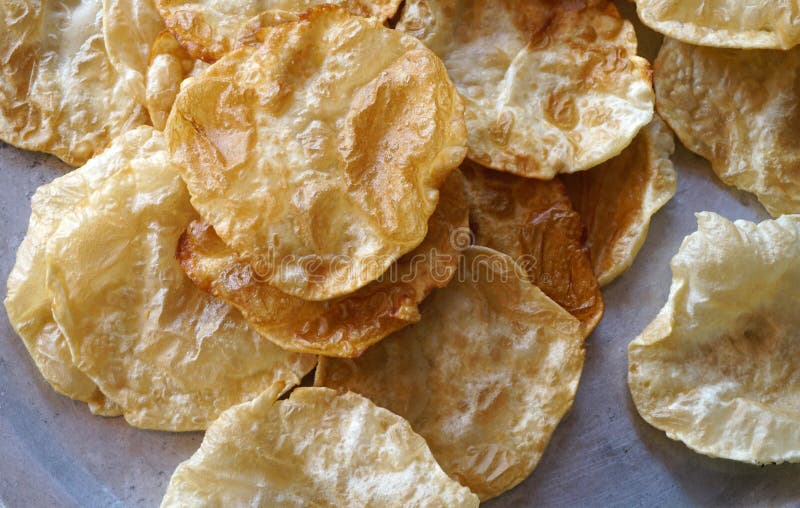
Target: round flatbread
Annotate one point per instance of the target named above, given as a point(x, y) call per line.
point(617, 199)
point(725, 23)
point(209, 28)
point(484, 377)
point(533, 222)
point(718, 367)
point(325, 172)
point(172, 356)
point(59, 92)
point(315, 448)
point(549, 87)
point(741, 111)
point(344, 326)
point(27, 301)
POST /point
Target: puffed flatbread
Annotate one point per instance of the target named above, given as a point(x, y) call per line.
point(741, 111)
point(533, 222)
point(210, 28)
point(484, 377)
point(27, 301)
point(725, 23)
point(171, 356)
point(315, 448)
point(617, 199)
point(344, 326)
point(718, 367)
point(59, 92)
point(325, 175)
point(549, 87)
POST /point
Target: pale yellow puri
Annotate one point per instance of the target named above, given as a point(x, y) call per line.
point(485, 376)
point(130, 30)
point(28, 302)
point(740, 109)
point(718, 367)
point(315, 448)
point(549, 87)
point(725, 23)
point(169, 66)
point(60, 92)
point(171, 356)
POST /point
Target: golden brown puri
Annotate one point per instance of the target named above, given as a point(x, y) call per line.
point(344, 326)
point(533, 222)
point(209, 29)
point(617, 199)
point(327, 175)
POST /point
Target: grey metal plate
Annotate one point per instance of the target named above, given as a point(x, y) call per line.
point(53, 452)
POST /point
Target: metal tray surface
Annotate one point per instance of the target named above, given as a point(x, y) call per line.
point(53, 452)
